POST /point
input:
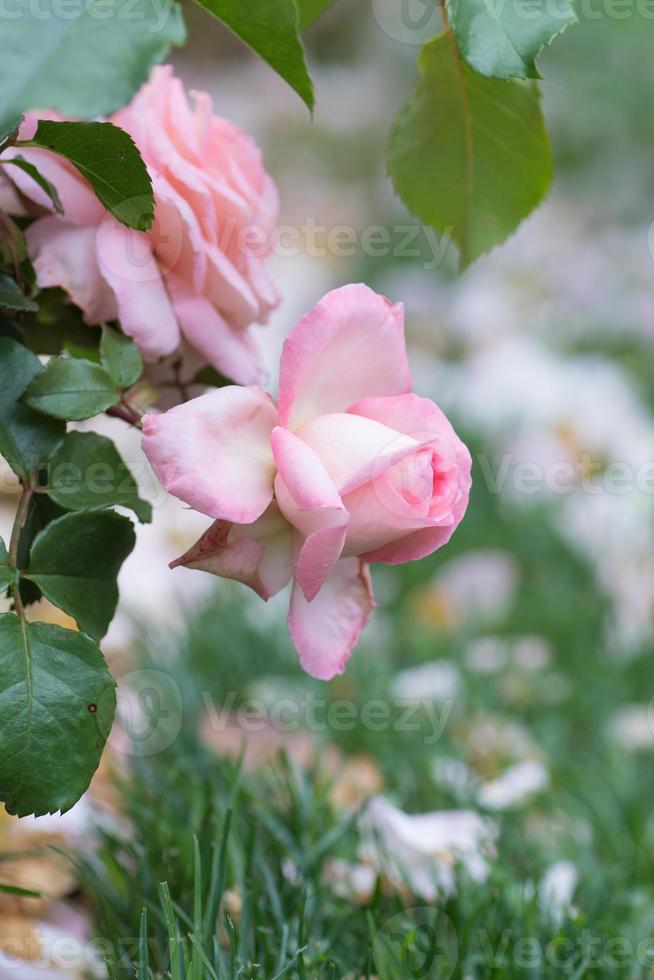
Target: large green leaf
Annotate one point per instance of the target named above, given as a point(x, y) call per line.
point(87, 471)
point(27, 438)
point(502, 38)
point(120, 357)
point(469, 155)
point(86, 63)
point(75, 561)
point(310, 11)
point(70, 388)
point(57, 703)
point(110, 161)
point(272, 29)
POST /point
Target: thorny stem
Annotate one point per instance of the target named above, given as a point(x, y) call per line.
point(127, 413)
point(19, 524)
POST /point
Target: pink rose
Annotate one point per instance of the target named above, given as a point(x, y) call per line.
point(200, 274)
point(349, 468)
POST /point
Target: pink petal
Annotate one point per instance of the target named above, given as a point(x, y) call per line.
point(10, 200)
point(424, 421)
point(326, 629)
point(309, 500)
point(232, 351)
point(411, 414)
point(264, 287)
point(416, 545)
point(64, 255)
point(144, 308)
point(349, 346)
point(354, 449)
point(228, 289)
point(213, 452)
point(81, 206)
point(176, 237)
point(259, 554)
point(148, 121)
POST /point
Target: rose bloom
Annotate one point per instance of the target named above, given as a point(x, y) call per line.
point(349, 468)
point(200, 274)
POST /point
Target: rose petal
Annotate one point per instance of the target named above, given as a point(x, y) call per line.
point(326, 630)
point(259, 554)
point(354, 449)
point(350, 345)
point(214, 453)
point(228, 290)
point(176, 236)
point(414, 546)
point(309, 500)
point(232, 351)
point(421, 419)
point(412, 415)
point(64, 255)
point(144, 307)
point(10, 200)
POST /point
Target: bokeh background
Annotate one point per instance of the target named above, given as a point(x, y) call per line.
point(515, 665)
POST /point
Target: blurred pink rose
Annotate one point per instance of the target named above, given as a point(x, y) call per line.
point(349, 468)
point(200, 274)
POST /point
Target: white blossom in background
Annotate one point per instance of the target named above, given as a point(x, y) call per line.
point(514, 786)
point(439, 680)
point(632, 727)
point(350, 879)
point(532, 652)
point(477, 587)
point(493, 654)
point(557, 890)
point(486, 655)
point(421, 852)
point(454, 774)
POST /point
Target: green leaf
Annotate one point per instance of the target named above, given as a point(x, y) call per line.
point(272, 29)
point(41, 511)
point(7, 571)
point(86, 63)
point(75, 561)
point(87, 472)
point(20, 892)
point(502, 38)
point(120, 357)
point(12, 296)
point(310, 11)
point(469, 155)
point(27, 438)
point(107, 156)
point(38, 177)
point(70, 388)
point(57, 703)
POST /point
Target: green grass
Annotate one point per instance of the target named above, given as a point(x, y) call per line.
point(203, 828)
